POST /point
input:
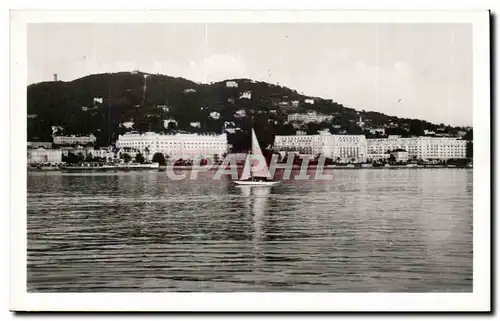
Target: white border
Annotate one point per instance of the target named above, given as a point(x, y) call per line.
point(479, 300)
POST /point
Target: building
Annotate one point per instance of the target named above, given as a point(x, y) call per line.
point(44, 156)
point(215, 115)
point(302, 144)
point(309, 117)
point(240, 113)
point(377, 157)
point(422, 147)
point(339, 147)
point(79, 149)
point(166, 122)
point(246, 95)
point(375, 131)
point(400, 155)
point(186, 146)
point(163, 107)
point(33, 145)
point(72, 140)
point(348, 148)
point(295, 103)
point(231, 84)
point(189, 90)
point(127, 124)
point(309, 101)
point(106, 153)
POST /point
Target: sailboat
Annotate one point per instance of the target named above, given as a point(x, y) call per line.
point(253, 172)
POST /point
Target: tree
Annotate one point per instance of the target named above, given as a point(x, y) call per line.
point(416, 127)
point(80, 157)
point(160, 159)
point(469, 149)
point(71, 158)
point(469, 135)
point(126, 157)
point(89, 158)
point(392, 158)
point(172, 126)
point(140, 158)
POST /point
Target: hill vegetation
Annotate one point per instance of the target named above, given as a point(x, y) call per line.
point(103, 104)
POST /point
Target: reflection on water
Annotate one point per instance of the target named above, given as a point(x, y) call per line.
point(365, 230)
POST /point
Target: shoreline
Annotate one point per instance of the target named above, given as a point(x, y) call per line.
point(279, 167)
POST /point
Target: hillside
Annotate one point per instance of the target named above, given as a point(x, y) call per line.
point(73, 108)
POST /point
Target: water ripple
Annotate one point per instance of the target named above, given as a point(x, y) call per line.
point(384, 231)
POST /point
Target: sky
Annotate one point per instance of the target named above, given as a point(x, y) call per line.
point(407, 70)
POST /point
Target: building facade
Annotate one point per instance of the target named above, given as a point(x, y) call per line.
point(106, 153)
point(44, 156)
point(303, 144)
point(349, 148)
point(420, 147)
point(71, 140)
point(309, 117)
point(185, 146)
point(34, 145)
point(345, 148)
point(400, 155)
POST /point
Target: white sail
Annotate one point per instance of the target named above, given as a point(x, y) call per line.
point(259, 166)
point(246, 170)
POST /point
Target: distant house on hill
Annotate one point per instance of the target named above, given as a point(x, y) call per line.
point(214, 115)
point(229, 123)
point(309, 101)
point(375, 131)
point(231, 84)
point(246, 95)
point(164, 107)
point(166, 122)
point(240, 113)
point(127, 124)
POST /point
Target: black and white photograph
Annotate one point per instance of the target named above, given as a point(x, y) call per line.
point(265, 154)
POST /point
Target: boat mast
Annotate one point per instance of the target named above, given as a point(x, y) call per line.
point(251, 149)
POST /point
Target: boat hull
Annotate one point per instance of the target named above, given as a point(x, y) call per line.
point(256, 183)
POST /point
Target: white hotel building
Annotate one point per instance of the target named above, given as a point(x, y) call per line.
point(303, 144)
point(309, 117)
point(72, 140)
point(42, 155)
point(420, 147)
point(347, 147)
point(185, 146)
